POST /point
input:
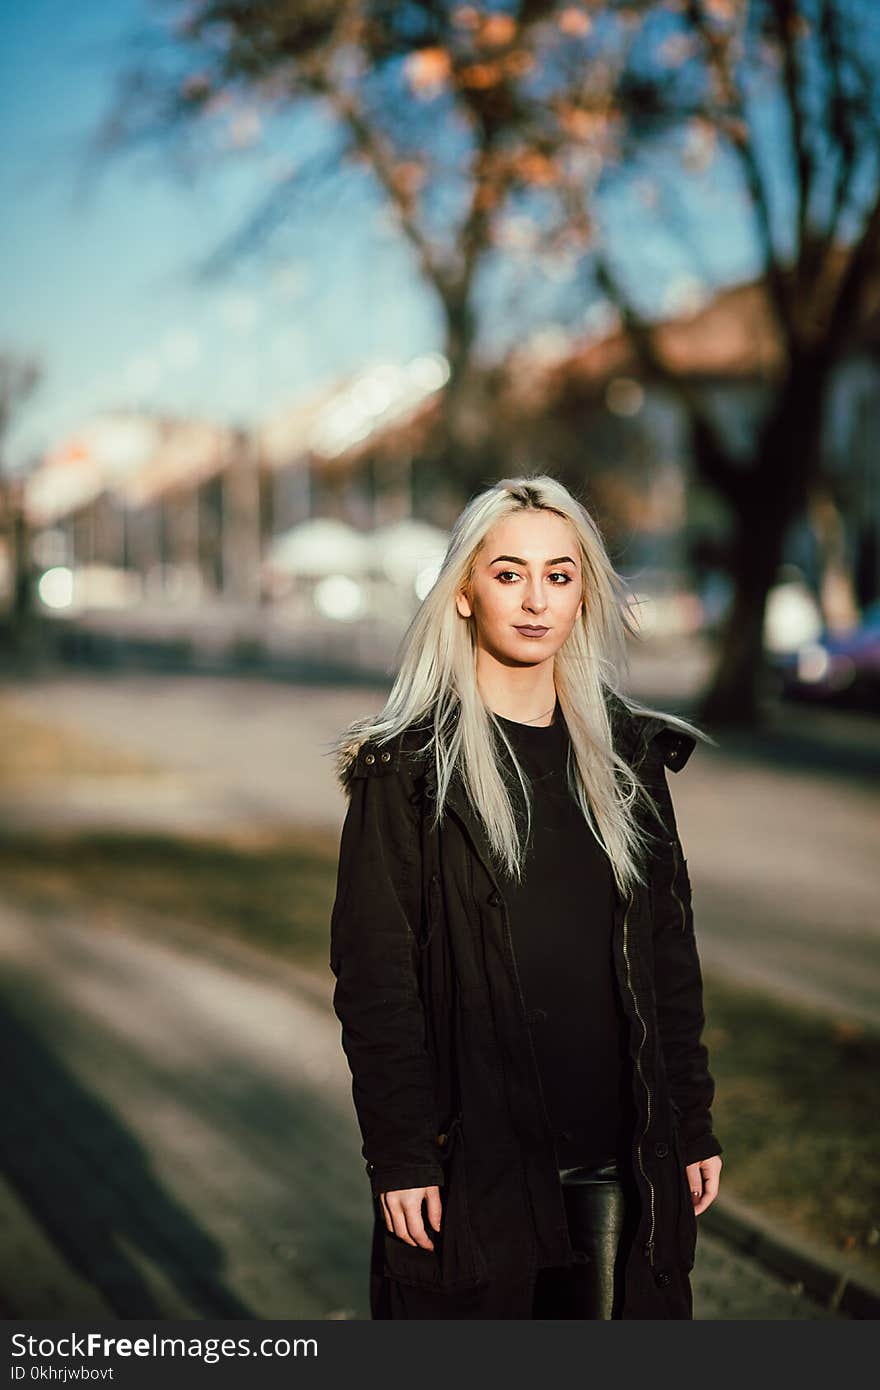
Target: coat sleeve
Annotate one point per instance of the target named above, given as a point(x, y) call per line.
point(678, 980)
point(374, 956)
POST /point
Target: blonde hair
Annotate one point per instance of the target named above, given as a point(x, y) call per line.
point(436, 684)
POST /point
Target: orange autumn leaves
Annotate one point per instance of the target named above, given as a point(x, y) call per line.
point(495, 51)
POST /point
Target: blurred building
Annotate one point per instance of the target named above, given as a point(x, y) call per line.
point(137, 505)
point(351, 451)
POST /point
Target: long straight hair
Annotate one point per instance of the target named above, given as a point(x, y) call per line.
point(436, 687)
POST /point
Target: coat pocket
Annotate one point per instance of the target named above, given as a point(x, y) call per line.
point(456, 1262)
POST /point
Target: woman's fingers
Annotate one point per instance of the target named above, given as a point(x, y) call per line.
point(435, 1207)
point(414, 1223)
point(695, 1182)
point(386, 1213)
point(399, 1217)
point(711, 1169)
point(405, 1211)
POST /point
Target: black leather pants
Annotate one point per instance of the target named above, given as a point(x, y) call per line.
point(601, 1211)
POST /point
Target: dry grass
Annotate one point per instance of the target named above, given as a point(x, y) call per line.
point(31, 750)
point(273, 891)
point(797, 1114)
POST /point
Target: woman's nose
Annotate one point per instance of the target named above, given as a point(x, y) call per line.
point(535, 600)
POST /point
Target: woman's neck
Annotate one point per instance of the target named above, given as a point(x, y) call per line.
point(525, 694)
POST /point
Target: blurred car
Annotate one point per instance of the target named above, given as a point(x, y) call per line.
point(835, 668)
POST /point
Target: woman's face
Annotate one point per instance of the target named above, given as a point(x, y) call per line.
point(527, 575)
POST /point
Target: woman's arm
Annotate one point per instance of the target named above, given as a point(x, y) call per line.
point(374, 955)
point(678, 980)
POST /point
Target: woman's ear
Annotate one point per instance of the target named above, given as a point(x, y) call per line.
point(463, 605)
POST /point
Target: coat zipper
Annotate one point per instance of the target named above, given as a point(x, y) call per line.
point(639, 1069)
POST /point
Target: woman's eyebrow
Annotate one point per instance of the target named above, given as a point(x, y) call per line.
point(516, 560)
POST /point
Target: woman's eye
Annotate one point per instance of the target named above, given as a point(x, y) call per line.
point(556, 574)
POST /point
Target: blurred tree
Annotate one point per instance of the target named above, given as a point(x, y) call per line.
point(787, 93)
point(19, 378)
point(483, 126)
point(495, 131)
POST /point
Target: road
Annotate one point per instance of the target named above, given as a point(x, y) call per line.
point(178, 1139)
point(779, 838)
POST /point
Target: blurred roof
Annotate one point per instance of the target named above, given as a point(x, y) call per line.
point(101, 452)
point(733, 335)
point(187, 452)
point(283, 440)
point(338, 420)
point(135, 456)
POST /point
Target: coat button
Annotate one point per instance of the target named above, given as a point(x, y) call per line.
point(661, 1278)
point(386, 757)
point(441, 1139)
point(661, 1149)
point(494, 899)
point(370, 758)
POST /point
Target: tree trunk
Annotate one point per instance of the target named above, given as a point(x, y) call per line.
point(770, 497)
point(734, 695)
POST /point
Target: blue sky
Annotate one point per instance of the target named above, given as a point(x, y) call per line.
point(100, 287)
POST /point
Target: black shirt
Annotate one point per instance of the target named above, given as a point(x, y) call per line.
point(561, 922)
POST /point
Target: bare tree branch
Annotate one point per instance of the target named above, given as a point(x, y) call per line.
point(841, 123)
point(734, 126)
point(850, 293)
point(787, 20)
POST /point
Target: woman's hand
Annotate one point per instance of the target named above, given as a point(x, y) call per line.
point(703, 1180)
point(403, 1214)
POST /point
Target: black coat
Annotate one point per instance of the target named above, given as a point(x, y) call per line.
point(445, 1081)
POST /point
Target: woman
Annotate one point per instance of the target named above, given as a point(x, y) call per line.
point(512, 939)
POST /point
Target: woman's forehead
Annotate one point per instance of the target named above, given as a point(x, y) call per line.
point(531, 533)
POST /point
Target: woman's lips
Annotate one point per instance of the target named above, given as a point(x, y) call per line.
point(528, 631)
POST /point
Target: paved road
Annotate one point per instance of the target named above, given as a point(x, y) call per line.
point(780, 840)
point(178, 1139)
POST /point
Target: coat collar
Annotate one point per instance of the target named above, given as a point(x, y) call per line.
point(633, 736)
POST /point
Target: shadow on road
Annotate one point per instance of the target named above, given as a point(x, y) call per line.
point(88, 1185)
